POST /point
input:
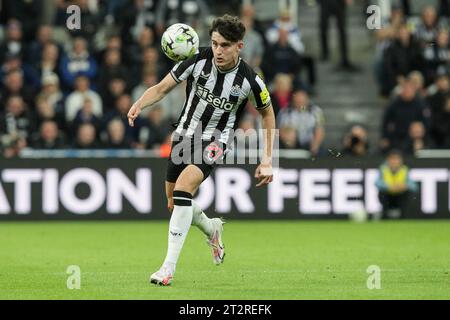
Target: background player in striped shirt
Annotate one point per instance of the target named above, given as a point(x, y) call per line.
point(219, 84)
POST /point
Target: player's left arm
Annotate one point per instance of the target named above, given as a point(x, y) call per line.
point(264, 172)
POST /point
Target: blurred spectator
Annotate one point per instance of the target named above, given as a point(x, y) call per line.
point(45, 111)
point(26, 12)
point(282, 94)
point(89, 13)
point(135, 17)
point(29, 75)
point(113, 42)
point(356, 142)
point(112, 67)
point(149, 79)
point(399, 115)
point(385, 37)
point(122, 106)
point(14, 85)
point(86, 137)
point(307, 118)
point(438, 92)
point(294, 39)
point(86, 115)
point(281, 58)
point(426, 31)
point(253, 50)
point(90, 21)
point(44, 36)
point(135, 52)
point(78, 61)
point(151, 62)
point(116, 88)
point(288, 138)
point(49, 61)
point(440, 121)
point(49, 137)
point(52, 93)
point(402, 57)
point(112, 10)
point(417, 139)
point(338, 8)
point(436, 56)
point(16, 124)
point(75, 100)
point(13, 44)
point(155, 129)
point(191, 12)
point(116, 138)
point(417, 80)
point(394, 186)
point(390, 27)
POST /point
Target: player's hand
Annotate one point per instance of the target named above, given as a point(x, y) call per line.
point(134, 112)
point(264, 174)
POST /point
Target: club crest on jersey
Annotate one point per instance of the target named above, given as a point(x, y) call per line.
point(235, 91)
point(217, 102)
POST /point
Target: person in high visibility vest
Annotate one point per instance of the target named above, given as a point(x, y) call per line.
point(394, 185)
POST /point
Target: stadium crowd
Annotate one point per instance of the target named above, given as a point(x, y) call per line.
point(412, 69)
point(65, 88)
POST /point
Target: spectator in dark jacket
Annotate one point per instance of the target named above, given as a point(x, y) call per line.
point(440, 125)
point(402, 57)
point(116, 138)
point(49, 137)
point(86, 137)
point(399, 115)
point(14, 85)
point(281, 58)
point(112, 67)
point(417, 139)
point(440, 112)
point(155, 129)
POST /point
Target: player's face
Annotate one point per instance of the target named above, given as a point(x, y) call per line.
point(226, 53)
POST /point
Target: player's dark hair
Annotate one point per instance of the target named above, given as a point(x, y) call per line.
point(229, 27)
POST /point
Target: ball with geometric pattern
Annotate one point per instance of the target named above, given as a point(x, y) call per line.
point(179, 42)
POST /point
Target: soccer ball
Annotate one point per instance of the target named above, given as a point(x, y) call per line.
point(179, 42)
point(358, 216)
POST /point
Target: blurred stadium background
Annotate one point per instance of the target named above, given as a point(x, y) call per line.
point(66, 151)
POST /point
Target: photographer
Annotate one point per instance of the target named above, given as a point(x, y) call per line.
point(355, 142)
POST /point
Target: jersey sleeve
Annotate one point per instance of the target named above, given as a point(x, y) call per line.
point(259, 93)
point(183, 69)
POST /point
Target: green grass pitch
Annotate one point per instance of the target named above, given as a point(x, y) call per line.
point(265, 260)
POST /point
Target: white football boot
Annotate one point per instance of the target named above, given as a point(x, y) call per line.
point(215, 242)
point(163, 276)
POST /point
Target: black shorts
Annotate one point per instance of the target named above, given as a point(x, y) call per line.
point(205, 155)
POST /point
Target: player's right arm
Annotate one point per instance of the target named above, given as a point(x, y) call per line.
point(151, 96)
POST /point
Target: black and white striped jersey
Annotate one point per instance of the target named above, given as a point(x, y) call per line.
point(215, 99)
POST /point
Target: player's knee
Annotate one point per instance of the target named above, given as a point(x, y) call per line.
point(184, 187)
